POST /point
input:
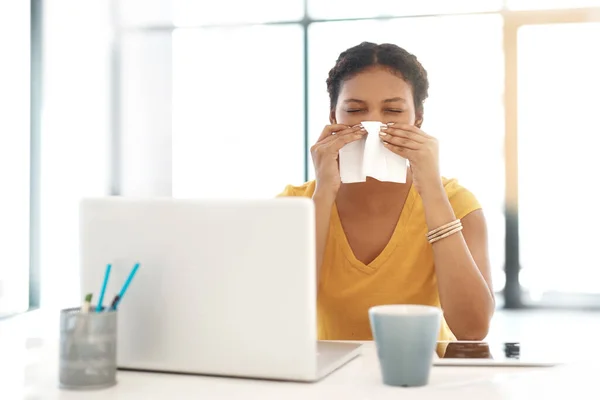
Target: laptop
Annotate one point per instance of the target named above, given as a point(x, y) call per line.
point(224, 288)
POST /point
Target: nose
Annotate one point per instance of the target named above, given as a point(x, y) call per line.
point(376, 116)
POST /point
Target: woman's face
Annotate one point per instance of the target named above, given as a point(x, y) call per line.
point(375, 94)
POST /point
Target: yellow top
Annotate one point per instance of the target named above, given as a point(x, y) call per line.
point(402, 274)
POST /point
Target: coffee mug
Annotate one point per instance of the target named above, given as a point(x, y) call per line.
point(406, 337)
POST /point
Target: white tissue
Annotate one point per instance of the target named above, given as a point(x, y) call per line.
point(351, 162)
point(369, 157)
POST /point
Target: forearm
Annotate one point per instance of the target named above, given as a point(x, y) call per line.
point(323, 205)
point(466, 299)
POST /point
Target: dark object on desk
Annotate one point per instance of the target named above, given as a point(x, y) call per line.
point(512, 350)
point(464, 350)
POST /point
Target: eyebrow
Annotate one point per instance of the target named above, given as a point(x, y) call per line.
point(354, 101)
point(393, 99)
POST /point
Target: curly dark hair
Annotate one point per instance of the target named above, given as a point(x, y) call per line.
point(365, 55)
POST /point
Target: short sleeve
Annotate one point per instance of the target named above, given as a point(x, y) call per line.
point(463, 202)
point(305, 190)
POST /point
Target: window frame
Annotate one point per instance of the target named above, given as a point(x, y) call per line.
point(514, 296)
point(35, 112)
point(36, 47)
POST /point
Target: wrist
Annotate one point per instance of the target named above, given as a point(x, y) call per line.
point(324, 196)
point(433, 192)
point(437, 207)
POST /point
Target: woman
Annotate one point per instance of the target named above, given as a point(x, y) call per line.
point(423, 242)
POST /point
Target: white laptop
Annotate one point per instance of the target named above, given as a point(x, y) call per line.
point(224, 287)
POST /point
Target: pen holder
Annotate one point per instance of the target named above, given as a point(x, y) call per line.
point(88, 349)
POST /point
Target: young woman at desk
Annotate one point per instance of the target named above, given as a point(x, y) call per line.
point(377, 241)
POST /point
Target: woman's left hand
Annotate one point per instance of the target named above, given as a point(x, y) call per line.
point(420, 149)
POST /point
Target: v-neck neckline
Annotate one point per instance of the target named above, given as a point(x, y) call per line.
point(391, 244)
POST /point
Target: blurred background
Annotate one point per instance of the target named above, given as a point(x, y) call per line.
point(192, 98)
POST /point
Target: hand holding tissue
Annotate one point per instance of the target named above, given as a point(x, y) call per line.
point(369, 157)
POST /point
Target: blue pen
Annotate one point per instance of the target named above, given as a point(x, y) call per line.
point(101, 298)
point(125, 286)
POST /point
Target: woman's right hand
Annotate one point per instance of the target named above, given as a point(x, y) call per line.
point(325, 155)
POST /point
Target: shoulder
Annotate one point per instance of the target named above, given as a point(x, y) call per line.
point(305, 190)
point(463, 201)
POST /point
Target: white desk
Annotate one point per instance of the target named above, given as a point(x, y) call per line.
point(28, 370)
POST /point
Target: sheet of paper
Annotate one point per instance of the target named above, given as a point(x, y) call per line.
point(369, 157)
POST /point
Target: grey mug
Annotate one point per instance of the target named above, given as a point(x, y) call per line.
point(405, 337)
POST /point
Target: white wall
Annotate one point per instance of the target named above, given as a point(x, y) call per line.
point(145, 77)
point(194, 102)
point(76, 128)
point(75, 135)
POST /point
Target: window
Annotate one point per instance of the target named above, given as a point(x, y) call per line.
point(559, 99)
point(155, 13)
point(146, 87)
point(465, 102)
point(237, 111)
point(14, 155)
point(194, 12)
point(140, 13)
point(75, 151)
point(333, 9)
point(550, 4)
point(208, 91)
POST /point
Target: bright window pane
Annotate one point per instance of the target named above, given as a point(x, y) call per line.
point(194, 12)
point(324, 9)
point(75, 137)
point(237, 111)
point(145, 136)
point(550, 4)
point(14, 156)
point(559, 137)
point(201, 12)
point(144, 12)
point(465, 108)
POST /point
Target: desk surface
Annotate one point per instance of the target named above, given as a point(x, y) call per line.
point(28, 370)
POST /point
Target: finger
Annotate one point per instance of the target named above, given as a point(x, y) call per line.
point(401, 141)
point(401, 151)
point(410, 128)
point(357, 129)
point(330, 130)
point(340, 141)
point(399, 131)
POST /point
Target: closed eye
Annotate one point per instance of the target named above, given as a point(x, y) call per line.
point(394, 110)
point(355, 110)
